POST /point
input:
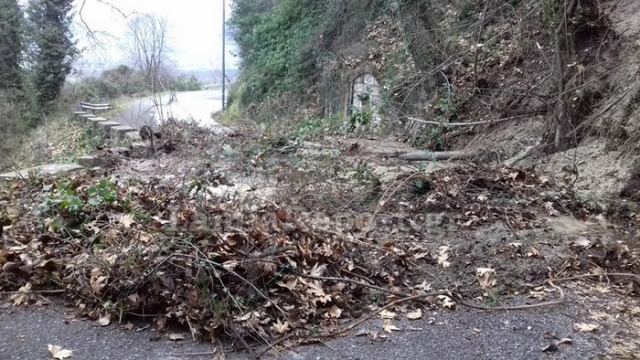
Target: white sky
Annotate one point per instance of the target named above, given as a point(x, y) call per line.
point(194, 29)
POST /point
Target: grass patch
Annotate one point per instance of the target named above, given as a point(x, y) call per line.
point(58, 140)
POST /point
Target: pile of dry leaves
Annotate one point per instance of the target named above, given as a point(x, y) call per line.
point(245, 268)
point(479, 195)
point(216, 267)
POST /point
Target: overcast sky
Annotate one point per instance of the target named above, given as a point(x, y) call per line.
point(194, 29)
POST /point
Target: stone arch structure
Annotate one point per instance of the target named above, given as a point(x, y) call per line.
point(365, 94)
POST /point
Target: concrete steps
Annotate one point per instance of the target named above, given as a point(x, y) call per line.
point(122, 130)
point(114, 129)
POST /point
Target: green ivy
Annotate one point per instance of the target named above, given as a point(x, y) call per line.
point(276, 46)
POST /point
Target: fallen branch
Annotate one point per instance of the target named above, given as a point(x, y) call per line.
point(356, 282)
point(435, 156)
point(559, 301)
point(375, 313)
point(606, 275)
point(474, 123)
point(37, 292)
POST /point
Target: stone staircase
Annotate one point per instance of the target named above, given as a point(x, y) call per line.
point(88, 114)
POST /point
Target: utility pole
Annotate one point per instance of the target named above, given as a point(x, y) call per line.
point(224, 72)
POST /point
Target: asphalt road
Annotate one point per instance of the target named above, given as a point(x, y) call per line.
point(188, 105)
point(25, 333)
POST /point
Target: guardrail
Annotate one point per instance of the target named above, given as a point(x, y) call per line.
point(94, 108)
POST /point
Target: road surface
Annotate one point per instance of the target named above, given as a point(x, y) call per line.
point(185, 106)
point(465, 334)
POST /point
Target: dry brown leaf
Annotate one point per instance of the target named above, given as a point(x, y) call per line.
point(318, 270)
point(386, 314)
point(424, 286)
point(57, 352)
point(291, 284)
point(389, 327)
point(335, 312)
point(443, 256)
point(97, 281)
point(105, 320)
point(582, 243)
point(447, 302)
point(280, 327)
point(415, 315)
point(486, 277)
point(126, 220)
point(533, 252)
point(22, 296)
point(586, 327)
point(176, 337)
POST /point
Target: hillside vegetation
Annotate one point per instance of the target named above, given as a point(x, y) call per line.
point(541, 76)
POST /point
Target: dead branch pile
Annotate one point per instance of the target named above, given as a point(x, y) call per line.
point(250, 269)
point(217, 268)
point(476, 195)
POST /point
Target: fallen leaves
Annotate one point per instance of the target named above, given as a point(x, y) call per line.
point(335, 312)
point(176, 337)
point(23, 295)
point(415, 315)
point(251, 265)
point(586, 327)
point(126, 220)
point(443, 256)
point(486, 277)
point(389, 327)
point(104, 320)
point(97, 281)
point(57, 352)
point(386, 314)
point(281, 327)
point(447, 302)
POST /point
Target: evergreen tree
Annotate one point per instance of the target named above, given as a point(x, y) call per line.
point(10, 44)
point(52, 49)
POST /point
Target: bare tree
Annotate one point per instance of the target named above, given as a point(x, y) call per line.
point(147, 50)
point(147, 47)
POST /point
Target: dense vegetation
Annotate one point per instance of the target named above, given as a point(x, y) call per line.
point(436, 61)
point(126, 81)
point(275, 42)
point(36, 53)
point(51, 50)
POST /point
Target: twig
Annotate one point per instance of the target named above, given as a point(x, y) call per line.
point(558, 301)
point(356, 282)
point(375, 313)
point(600, 113)
point(45, 292)
point(204, 353)
point(240, 277)
point(583, 276)
point(474, 123)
